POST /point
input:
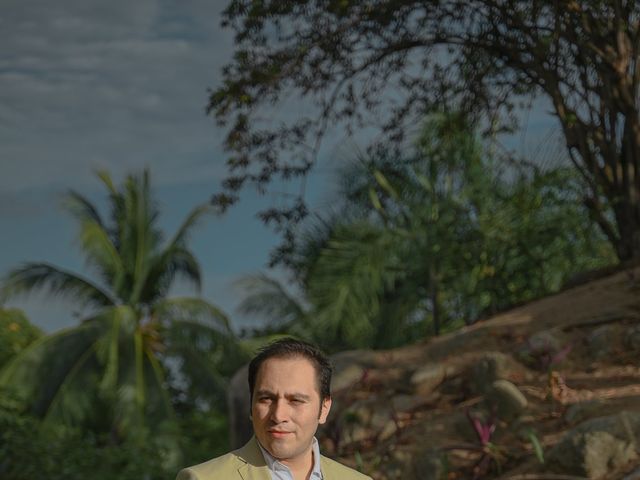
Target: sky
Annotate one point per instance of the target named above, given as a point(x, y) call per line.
point(119, 86)
point(90, 85)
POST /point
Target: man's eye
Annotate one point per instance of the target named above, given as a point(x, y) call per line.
point(264, 399)
point(297, 401)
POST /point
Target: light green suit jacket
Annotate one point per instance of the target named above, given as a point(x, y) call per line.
point(247, 463)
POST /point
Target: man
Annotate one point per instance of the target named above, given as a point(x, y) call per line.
point(289, 383)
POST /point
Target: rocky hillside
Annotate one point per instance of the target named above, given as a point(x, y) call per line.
point(550, 390)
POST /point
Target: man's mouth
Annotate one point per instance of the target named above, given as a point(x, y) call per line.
point(279, 433)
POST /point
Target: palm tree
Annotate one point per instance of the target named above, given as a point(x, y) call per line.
point(110, 372)
point(16, 333)
point(433, 240)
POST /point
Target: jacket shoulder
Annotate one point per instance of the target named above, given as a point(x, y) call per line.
point(335, 470)
point(216, 469)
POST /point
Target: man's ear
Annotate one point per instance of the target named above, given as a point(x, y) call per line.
point(325, 406)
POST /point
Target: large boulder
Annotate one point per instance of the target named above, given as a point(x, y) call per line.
point(598, 447)
point(239, 404)
point(506, 400)
point(426, 378)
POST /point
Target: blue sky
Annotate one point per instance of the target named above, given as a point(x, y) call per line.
point(117, 85)
point(121, 86)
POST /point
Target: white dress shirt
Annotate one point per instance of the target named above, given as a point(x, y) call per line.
point(282, 472)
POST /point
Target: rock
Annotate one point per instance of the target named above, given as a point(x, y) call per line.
point(427, 464)
point(601, 342)
point(363, 358)
point(632, 339)
point(546, 340)
point(488, 368)
point(239, 404)
point(581, 411)
point(604, 452)
point(633, 475)
point(541, 349)
point(597, 447)
point(507, 400)
point(367, 419)
point(407, 403)
point(427, 378)
point(347, 377)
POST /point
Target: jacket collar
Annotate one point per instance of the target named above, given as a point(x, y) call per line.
point(255, 467)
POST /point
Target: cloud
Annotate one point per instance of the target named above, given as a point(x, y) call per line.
point(116, 85)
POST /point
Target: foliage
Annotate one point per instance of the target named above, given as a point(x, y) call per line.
point(109, 374)
point(16, 333)
point(438, 237)
point(388, 62)
point(30, 450)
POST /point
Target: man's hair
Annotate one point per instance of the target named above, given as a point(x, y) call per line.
point(292, 348)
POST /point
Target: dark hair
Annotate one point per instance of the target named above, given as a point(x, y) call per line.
point(292, 348)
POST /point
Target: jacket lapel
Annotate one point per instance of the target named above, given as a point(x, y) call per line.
point(254, 467)
point(325, 468)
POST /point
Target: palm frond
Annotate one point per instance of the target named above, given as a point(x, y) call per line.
point(163, 270)
point(203, 373)
point(160, 379)
point(194, 310)
point(191, 221)
point(118, 323)
point(267, 297)
point(45, 371)
point(81, 208)
point(174, 259)
point(102, 254)
point(71, 403)
point(347, 281)
point(35, 276)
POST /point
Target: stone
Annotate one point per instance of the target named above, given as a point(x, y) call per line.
point(506, 400)
point(427, 378)
point(604, 452)
point(597, 447)
point(239, 404)
point(347, 377)
point(542, 347)
point(633, 475)
point(601, 342)
point(427, 464)
point(581, 411)
point(632, 339)
point(407, 403)
point(546, 340)
point(366, 420)
point(488, 368)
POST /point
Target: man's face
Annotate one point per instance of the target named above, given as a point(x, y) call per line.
point(286, 408)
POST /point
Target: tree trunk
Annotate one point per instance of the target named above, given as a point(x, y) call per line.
point(435, 303)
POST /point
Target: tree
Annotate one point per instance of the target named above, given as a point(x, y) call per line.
point(16, 333)
point(394, 60)
point(436, 239)
point(451, 238)
point(109, 374)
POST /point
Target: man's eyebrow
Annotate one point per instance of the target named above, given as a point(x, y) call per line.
point(269, 393)
point(299, 396)
point(265, 392)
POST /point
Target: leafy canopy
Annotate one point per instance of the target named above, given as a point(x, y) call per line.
point(430, 241)
point(387, 63)
point(111, 372)
point(16, 333)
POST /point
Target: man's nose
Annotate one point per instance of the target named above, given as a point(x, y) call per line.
point(280, 411)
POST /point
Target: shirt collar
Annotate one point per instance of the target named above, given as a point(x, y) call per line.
point(274, 465)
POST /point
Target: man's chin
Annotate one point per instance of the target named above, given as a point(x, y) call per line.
point(282, 448)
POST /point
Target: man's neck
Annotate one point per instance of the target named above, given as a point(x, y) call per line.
point(302, 466)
